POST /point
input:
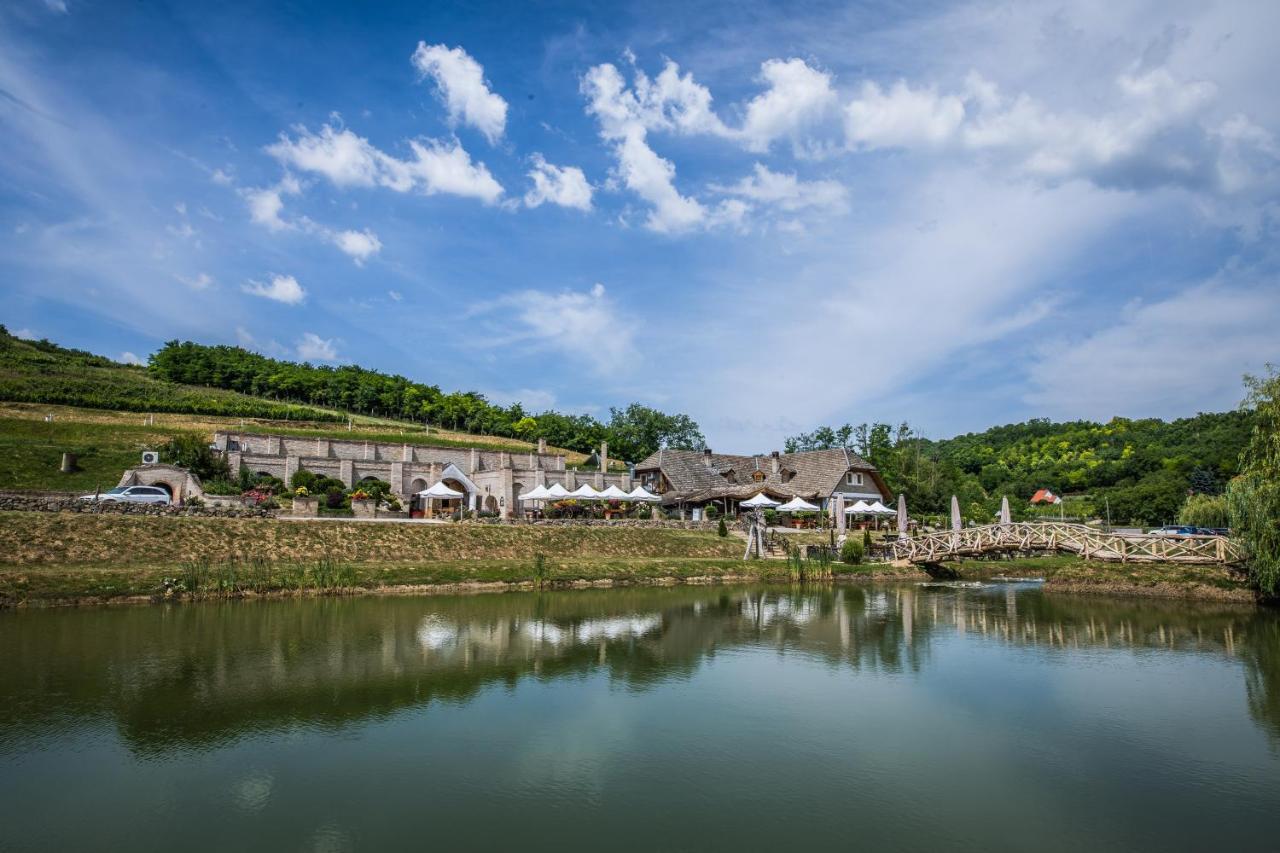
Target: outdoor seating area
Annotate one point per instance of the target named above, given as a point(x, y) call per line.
point(555, 501)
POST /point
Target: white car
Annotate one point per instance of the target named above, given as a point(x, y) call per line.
point(131, 494)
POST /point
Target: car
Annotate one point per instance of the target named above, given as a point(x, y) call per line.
point(131, 494)
point(1174, 530)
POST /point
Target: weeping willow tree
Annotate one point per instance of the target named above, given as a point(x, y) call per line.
point(1253, 497)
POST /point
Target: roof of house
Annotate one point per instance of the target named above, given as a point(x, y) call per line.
point(695, 475)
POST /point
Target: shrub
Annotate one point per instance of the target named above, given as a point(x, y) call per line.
point(712, 511)
point(851, 552)
point(334, 497)
point(723, 529)
point(771, 517)
point(393, 504)
point(221, 487)
point(302, 479)
point(866, 541)
point(192, 452)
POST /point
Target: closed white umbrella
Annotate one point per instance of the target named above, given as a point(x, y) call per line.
point(555, 490)
point(613, 493)
point(759, 501)
point(640, 493)
point(585, 492)
point(797, 504)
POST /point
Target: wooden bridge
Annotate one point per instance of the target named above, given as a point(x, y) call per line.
point(1040, 536)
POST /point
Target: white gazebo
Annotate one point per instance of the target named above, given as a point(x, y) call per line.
point(439, 492)
point(613, 493)
point(556, 491)
point(537, 493)
point(759, 502)
point(859, 508)
point(585, 492)
point(640, 493)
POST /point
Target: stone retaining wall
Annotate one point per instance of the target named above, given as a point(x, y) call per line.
point(64, 503)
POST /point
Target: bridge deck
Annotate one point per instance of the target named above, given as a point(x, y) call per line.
point(1071, 538)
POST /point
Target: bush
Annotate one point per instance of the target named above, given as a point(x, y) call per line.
point(866, 541)
point(712, 512)
point(334, 497)
point(771, 517)
point(221, 487)
point(393, 504)
point(192, 452)
point(851, 552)
point(303, 479)
point(722, 530)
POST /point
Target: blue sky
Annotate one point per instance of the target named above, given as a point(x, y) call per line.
point(769, 216)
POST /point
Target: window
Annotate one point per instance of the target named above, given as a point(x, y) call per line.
point(853, 478)
point(758, 476)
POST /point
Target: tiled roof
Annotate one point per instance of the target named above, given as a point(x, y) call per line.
point(696, 476)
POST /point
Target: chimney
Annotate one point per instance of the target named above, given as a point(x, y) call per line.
point(774, 463)
point(706, 456)
point(542, 445)
point(604, 456)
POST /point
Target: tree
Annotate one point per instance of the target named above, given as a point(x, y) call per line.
point(638, 431)
point(1253, 497)
point(1205, 511)
point(190, 451)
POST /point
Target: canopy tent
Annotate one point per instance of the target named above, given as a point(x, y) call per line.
point(585, 492)
point(640, 493)
point(759, 502)
point(555, 490)
point(440, 490)
point(859, 508)
point(537, 493)
point(880, 509)
point(613, 493)
point(797, 504)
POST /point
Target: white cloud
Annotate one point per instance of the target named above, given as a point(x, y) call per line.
point(582, 325)
point(1165, 358)
point(129, 358)
point(460, 80)
point(221, 177)
point(787, 192)
point(902, 116)
point(349, 160)
point(58, 6)
point(281, 288)
point(312, 347)
point(653, 179)
point(798, 98)
point(25, 334)
point(360, 245)
point(395, 295)
point(266, 204)
point(566, 186)
point(200, 281)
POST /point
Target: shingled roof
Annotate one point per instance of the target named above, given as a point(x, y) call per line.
point(698, 476)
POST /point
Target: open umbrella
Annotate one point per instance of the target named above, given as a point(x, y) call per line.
point(797, 504)
point(758, 502)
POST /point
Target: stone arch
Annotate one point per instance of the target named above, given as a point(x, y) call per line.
point(516, 507)
point(418, 484)
point(491, 503)
point(161, 484)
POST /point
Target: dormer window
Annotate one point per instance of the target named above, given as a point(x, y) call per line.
point(730, 476)
point(758, 476)
point(853, 478)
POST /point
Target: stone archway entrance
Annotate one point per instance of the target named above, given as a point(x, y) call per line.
point(491, 504)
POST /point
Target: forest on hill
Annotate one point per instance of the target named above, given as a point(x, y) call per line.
point(1138, 471)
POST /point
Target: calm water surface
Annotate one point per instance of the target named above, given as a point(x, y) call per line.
point(686, 718)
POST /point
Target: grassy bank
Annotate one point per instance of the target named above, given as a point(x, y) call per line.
point(1069, 573)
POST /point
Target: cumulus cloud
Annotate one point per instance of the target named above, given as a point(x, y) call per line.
point(127, 357)
point(797, 99)
point(460, 82)
point(581, 325)
point(566, 186)
point(1166, 358)
point(901, 116)
point(787, 192)
point(200, 281)
point(267, 203)
point(25, 334)
point(360, 245)
point(312, 347)
point(349, 160)
point(280, 288)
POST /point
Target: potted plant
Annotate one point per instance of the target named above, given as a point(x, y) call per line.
point(304, 504)
point(363, 504)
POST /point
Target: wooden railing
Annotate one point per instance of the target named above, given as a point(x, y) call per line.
point(1072, 538)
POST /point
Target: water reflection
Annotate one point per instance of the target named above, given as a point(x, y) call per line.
point(196, 676)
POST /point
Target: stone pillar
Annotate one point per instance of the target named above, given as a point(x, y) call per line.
point(234, 458)
point(506, 498)
point(542, 446)
point(504, 459)
point(322, 448)
point(406, 455)
point(347, 472)
point(434, 474)
point(291, 465)
point(397, 479)
point(604, 456)
point(273, 445)
point(599, 481)
point(475, 461)
point(571, 480)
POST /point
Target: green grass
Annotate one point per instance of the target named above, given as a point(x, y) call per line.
point(31, 452)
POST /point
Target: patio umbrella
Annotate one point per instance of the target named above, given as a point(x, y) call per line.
point(955, 513)
point(797, 504)
point(613, 493)
point(759, 501)
point(640, 493)
point(585, 492)
point(902, 514)
point(1006, 517)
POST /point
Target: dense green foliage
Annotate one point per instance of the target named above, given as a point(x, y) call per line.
point(851, 552)
point(192, 452)
point(632, 433)
point(1137, 471)
point(1254, 496)
point(43, 372)
point(1205, 511)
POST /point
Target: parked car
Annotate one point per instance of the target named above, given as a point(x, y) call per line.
point(1174, 530)
point(131, 494)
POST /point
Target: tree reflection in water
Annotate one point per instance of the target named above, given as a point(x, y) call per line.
point(201, 675)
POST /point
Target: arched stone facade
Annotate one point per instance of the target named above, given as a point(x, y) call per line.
point(181, 484)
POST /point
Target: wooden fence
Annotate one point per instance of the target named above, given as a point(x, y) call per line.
point(1041, 536)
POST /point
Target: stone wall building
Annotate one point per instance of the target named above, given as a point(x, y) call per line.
point(491, 480)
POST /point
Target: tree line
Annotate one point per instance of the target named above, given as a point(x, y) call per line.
point(1140, 471)
point(632, 432)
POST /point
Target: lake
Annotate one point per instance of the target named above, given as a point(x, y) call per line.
point(688, 718)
